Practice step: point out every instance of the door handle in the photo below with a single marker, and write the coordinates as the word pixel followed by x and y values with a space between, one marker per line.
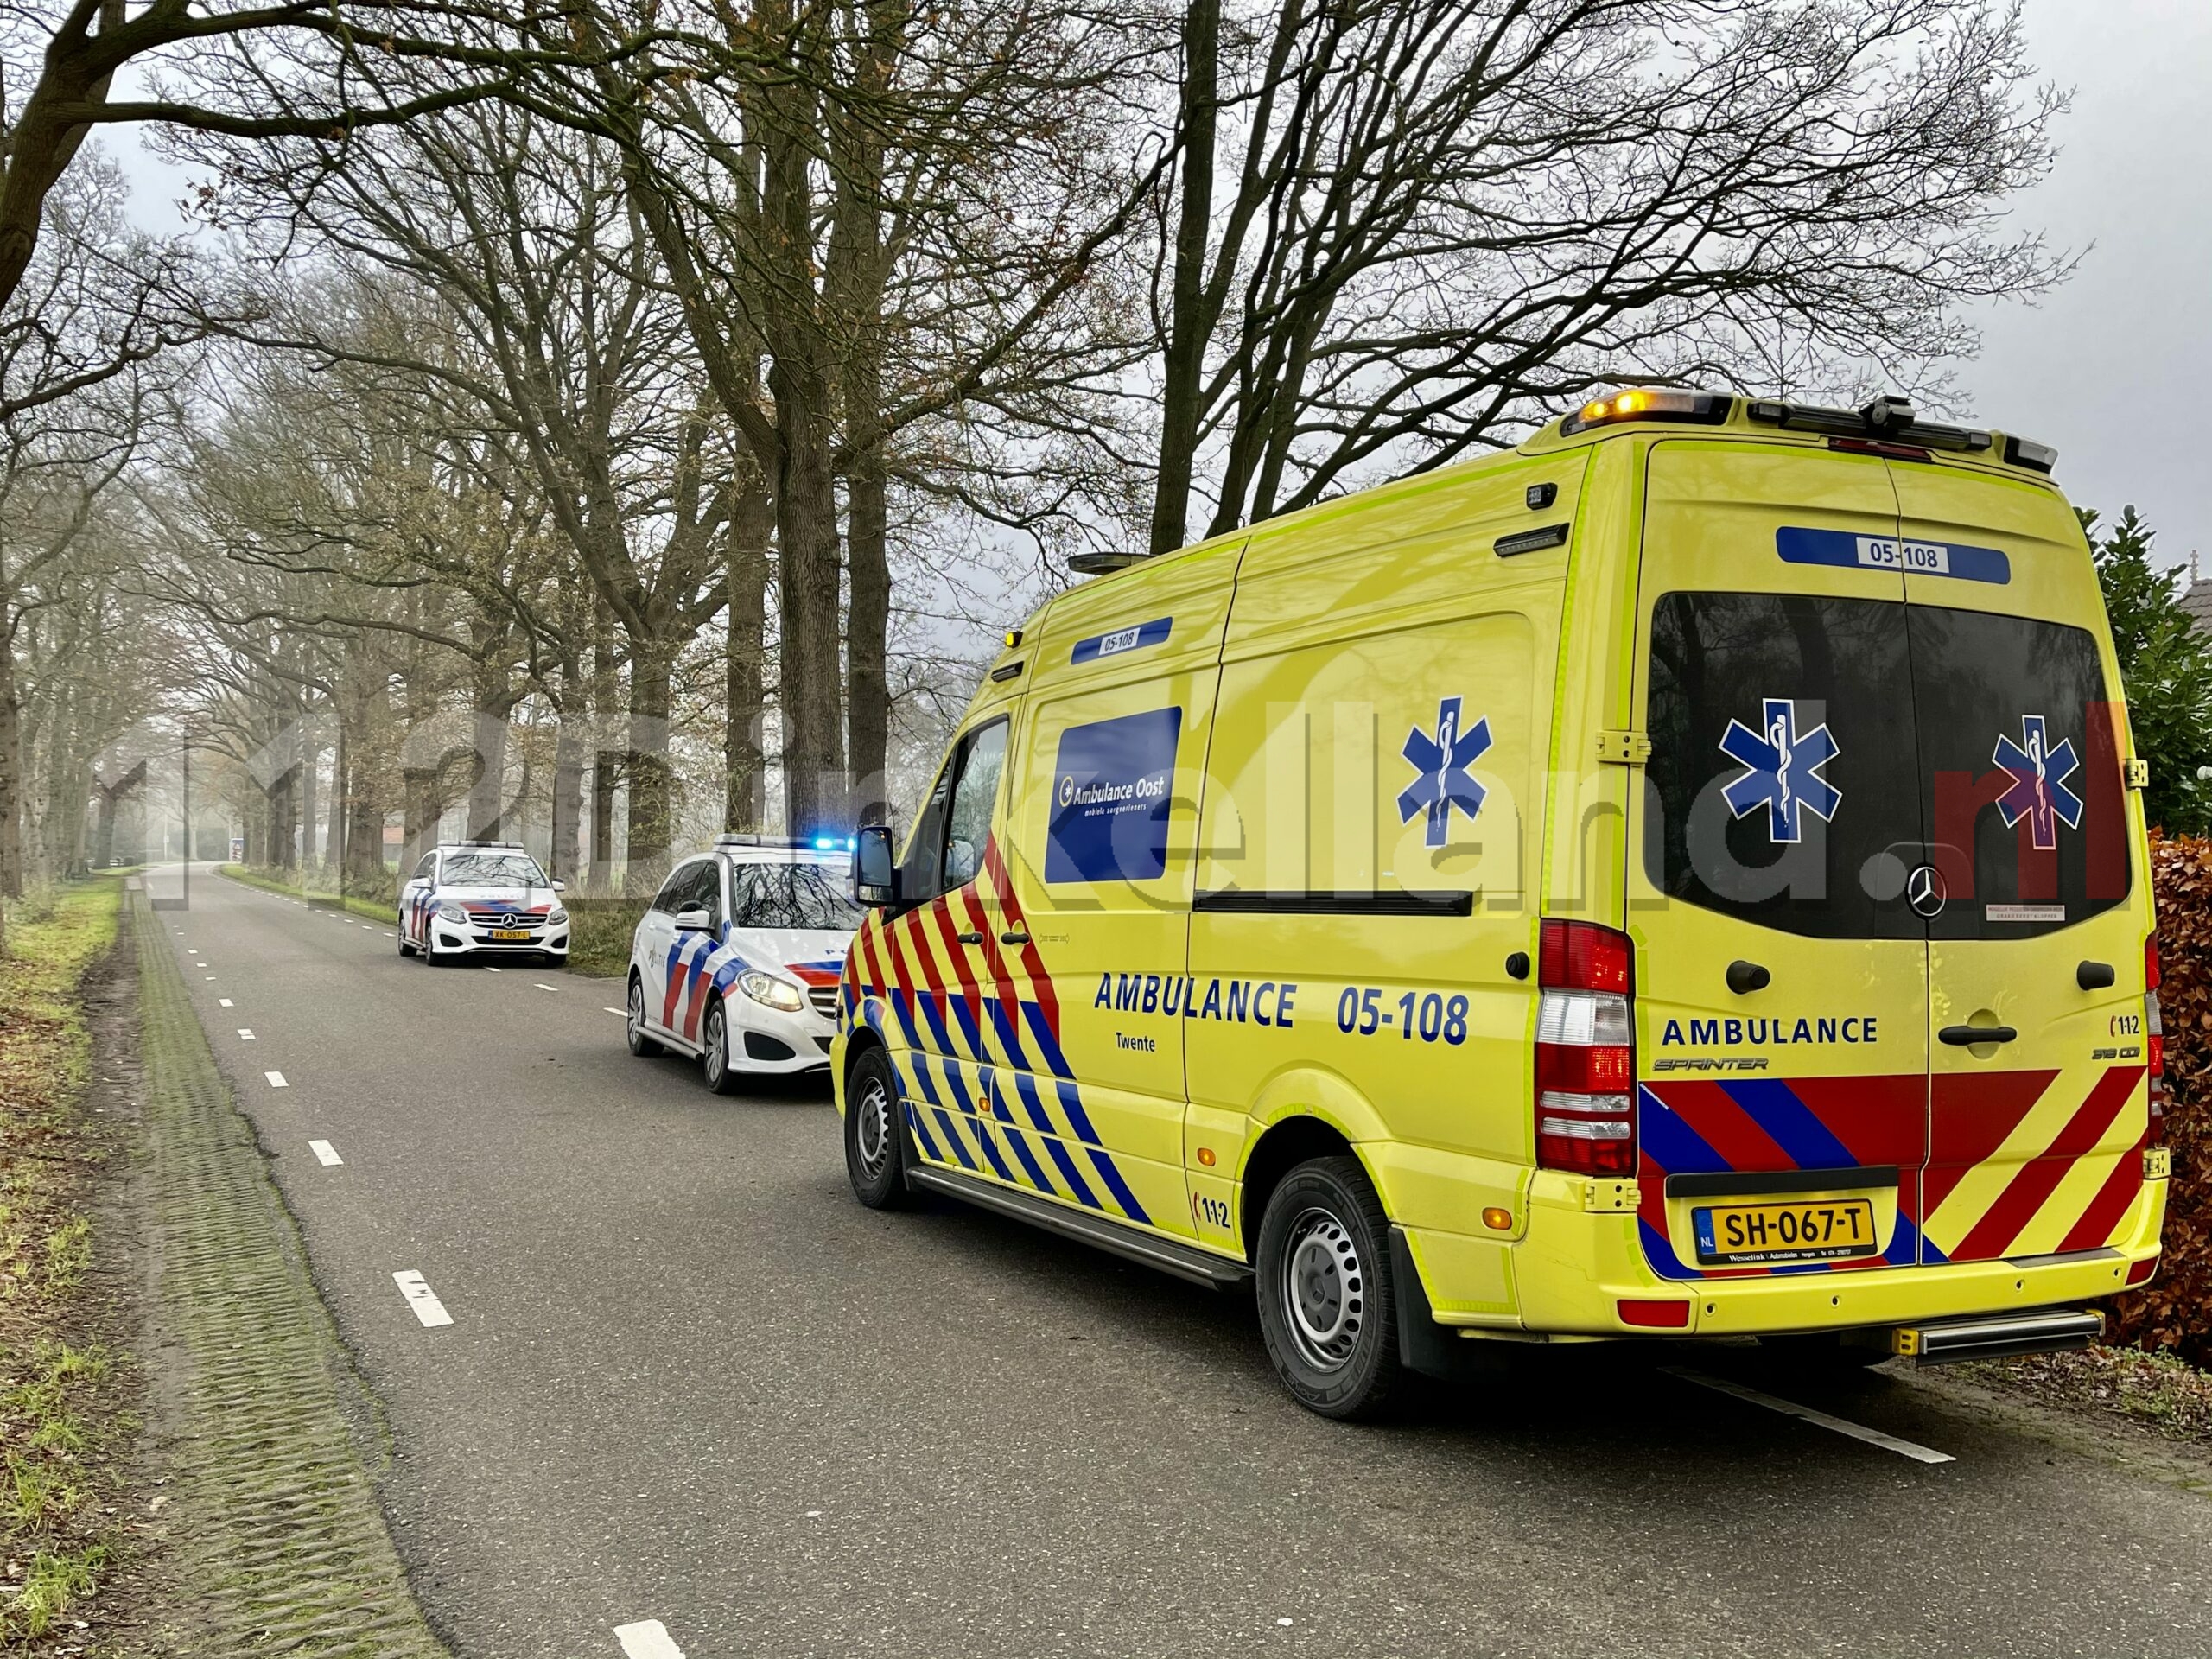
pixel 1966 1036
pixel 968 938
pixel 1016 937
pixel 1744 977
pixel 2093 976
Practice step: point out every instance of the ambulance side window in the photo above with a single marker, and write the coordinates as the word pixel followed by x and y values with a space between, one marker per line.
pixel 948 846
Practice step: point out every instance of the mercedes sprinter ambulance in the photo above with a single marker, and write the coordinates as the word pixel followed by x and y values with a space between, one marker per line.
pixel 1683 877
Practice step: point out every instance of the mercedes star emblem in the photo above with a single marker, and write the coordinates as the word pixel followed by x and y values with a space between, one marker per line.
pixel 1924 891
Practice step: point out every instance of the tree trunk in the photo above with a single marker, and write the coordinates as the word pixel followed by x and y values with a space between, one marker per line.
pixel 607 759
pixel 310 754
pixel 1183 366
pixel 744 659
pixel 488 734
pixel 808 673
pixel 11 776
pixel 652 786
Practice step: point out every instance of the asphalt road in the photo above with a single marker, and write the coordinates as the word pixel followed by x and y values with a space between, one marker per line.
pixel 689 1379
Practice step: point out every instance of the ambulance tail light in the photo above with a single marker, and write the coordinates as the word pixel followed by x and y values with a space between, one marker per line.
pixel 2154 1042
pixel 1586 1053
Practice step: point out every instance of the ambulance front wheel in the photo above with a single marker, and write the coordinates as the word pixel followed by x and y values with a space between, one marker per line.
pixel 876 1134
pixel 1324 1290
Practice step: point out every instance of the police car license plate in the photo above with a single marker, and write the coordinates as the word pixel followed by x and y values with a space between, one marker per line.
pixel 1800 1230
pixel 509 932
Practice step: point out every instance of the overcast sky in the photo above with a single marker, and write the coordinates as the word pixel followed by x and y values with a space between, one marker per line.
pixel 2113 366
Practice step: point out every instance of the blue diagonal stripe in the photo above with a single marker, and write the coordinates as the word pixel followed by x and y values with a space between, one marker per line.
pixel 1117 1186
pixel 1673 1146
pixel 1774 1106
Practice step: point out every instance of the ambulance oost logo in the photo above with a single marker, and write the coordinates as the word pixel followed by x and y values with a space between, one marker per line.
pixel 1441 762
pixel 2038 792
pixel 1780 771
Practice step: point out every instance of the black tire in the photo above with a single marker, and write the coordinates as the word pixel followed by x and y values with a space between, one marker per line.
pixel 633 1024
pixel 426 952
pixel 876 1148
pixel 1326 1307
pixel 713 1050
pixel 405 949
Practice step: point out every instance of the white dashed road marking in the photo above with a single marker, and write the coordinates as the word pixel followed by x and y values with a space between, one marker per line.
pixel 245 1034
pixel 222 1001
pixel 325 1154
pixel 624 1012
pixel 489 968
pixel 1806 1414
pixel 420 1297
pixel 647 1639
pixel 275 1079
pixel 542 986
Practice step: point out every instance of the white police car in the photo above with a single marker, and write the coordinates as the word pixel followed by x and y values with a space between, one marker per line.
pixel 481 898
pixel 738 960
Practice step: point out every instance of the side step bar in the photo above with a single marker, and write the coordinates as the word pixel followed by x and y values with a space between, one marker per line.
pixel 2046 1331
pixel 1199 1267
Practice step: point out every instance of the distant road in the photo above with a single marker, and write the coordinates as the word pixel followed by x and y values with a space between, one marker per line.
pixel 657 1384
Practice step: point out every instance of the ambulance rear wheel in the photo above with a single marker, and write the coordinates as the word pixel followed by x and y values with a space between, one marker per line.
pixel 1324 1290
pixel 633 1024
pixel 876 1134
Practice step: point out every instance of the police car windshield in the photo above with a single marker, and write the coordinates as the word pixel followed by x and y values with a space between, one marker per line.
pixel 492 870
pixel 792 895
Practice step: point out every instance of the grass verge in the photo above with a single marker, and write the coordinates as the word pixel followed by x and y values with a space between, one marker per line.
pixel 273 881
pixel 2159 1391
pixel 63 1426
pixel 275 1531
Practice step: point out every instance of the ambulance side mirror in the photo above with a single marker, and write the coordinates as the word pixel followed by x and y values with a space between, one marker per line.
pixel 875 867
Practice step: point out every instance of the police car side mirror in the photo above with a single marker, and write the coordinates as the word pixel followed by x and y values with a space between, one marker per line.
pixel 560 887
pixel 875 867
pixel 693 921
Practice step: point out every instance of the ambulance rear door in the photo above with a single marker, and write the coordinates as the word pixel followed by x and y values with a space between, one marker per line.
pixel 1780 997
pixel 2036 1016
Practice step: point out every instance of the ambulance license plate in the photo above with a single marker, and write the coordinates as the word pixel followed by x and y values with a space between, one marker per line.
pixel 510 933
pixel 1800 1230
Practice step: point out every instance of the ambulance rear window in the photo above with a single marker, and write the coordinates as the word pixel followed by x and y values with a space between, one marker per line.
pixel 1783 785
pixel 1809 755
pixel 2024 803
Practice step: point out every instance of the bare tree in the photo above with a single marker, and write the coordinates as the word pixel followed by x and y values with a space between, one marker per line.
pixel 1406 229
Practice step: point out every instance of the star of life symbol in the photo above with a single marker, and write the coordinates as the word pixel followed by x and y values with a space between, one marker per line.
pixel 1442 761
pixel 1781 771
pixel 2038 793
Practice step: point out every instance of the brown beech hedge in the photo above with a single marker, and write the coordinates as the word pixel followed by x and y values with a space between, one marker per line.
pixel 2175 1309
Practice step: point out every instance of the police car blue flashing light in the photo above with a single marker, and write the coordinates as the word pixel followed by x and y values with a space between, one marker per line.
pixel 481 898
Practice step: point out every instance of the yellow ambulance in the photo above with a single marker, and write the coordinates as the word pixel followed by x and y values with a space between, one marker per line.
pixel 1684 877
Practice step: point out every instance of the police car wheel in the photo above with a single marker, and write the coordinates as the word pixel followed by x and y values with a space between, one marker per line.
pixel 876 1134
pixel 405 949
pixel 426 952
pixel 1325 1305
pixel 634 1025
pixel 714 1051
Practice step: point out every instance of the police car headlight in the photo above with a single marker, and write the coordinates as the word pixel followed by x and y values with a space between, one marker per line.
pixel 557 918
pixel 452 913
pixel 776 993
